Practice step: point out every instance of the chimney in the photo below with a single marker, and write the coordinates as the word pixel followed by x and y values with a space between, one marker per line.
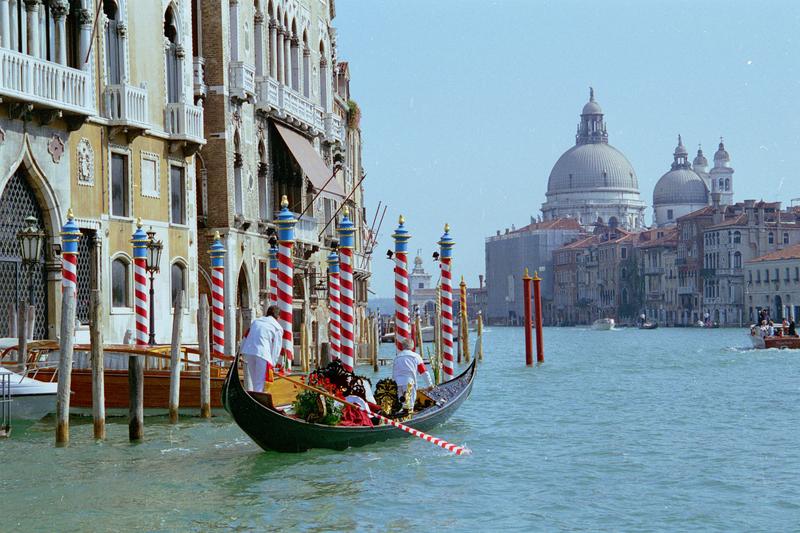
pixel 480 281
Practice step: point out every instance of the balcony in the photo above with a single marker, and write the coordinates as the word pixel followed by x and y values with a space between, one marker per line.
pixel 306 230
pixel 184 124
pixel 730 272
pixel 199 77
pixel 242 80
pixel 653 271
pixel 334 129
pixel 294 108
pixel 655 296
pixel 125 107
pixel 45 84
pixel 685 291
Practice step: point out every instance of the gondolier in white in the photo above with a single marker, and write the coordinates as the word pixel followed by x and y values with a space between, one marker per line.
pixel 406 367
pixel 262 348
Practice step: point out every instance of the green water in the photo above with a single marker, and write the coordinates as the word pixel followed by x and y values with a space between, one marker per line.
pixel 628 430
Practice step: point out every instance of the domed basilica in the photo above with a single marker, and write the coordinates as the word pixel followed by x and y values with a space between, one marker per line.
pixel 593 181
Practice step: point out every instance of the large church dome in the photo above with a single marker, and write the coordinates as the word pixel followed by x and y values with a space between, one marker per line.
pixel 593 181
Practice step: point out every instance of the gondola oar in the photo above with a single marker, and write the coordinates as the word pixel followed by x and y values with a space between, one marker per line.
pixel 458 450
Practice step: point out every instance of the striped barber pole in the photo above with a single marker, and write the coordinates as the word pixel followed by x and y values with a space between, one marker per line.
pixel 402 320
pixel 217 253
pixel 285 284
pixel 346 232
pixel 70 235
pixel 334 332
pixel 273 275
pixel 139 241
pixel 446 244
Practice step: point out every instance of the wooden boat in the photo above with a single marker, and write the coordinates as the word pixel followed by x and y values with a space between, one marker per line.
pixel 603 324
pixel 783 341
pixel 272 429
pixel 42 366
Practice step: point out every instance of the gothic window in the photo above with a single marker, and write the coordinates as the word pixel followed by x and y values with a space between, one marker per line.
pixel 263 197
pixel 771 238
pixel 306 66
pixel 785 237
pixel 177 281
pixel 113 50
pixel 737 260
pixel 323 77
pixel 174 78
pixel 737 237
pixel 120 283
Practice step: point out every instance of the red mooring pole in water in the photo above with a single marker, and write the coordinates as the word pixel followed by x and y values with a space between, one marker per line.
pixel 537 299
pixel 526 296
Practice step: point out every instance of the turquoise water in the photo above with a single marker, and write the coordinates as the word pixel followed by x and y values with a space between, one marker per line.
pixel 672 430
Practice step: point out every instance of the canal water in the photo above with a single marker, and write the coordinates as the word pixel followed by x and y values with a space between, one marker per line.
pixel 628 430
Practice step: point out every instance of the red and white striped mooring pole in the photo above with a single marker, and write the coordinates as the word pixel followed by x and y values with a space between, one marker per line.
pixel 273 275
pixel 334 328
pixel 70 235
pixel 139 241
pixel 346 230
pixel 402 320
pixel 446 244
pixel 286 223
pixel 217 253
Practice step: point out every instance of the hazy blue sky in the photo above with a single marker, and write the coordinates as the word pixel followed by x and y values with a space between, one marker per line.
pixel 468 104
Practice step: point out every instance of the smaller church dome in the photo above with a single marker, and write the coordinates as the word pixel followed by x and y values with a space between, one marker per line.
pixel 681 185
pixel 700 160
pixel 721 154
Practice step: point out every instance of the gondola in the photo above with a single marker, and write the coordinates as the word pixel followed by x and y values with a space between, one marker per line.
pixel 273 430
pixel 648 325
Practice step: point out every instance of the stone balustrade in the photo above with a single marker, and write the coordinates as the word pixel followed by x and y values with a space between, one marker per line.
pixel 184 122
pixel 126 105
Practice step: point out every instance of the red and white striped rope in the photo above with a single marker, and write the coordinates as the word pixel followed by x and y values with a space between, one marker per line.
pixel 140 300
pixel 218 311
pixel 273 286
pixel 69 271
pixel 285 298
pixel 458 450
pixel 346 314
pixel 402 320
pixel 334 330
pixel 448 364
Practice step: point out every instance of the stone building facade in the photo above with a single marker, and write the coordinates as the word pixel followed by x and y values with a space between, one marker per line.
pixel 101 120
pixel 773 283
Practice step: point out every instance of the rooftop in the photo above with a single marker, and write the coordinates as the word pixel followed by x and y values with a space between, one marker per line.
pixel 791 252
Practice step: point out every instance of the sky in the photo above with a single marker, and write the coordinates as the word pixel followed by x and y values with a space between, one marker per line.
pixel 466 105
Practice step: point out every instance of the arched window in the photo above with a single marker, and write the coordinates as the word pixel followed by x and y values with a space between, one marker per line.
pixel 295 57
pixel 306 66
pixel 727 184
pixel 113 49
pixel 721 184
pixel 737 237
pixel 323 77
pixel 258 37
pixel 173 57
pixel 177 281
pixel 771 238
pixel 120 283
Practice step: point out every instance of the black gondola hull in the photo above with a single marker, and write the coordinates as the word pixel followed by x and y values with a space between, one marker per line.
pixel 273 430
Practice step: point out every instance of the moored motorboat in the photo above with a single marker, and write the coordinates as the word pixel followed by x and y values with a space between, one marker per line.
pixel 273 429
pixel 30 399
pixel 603 324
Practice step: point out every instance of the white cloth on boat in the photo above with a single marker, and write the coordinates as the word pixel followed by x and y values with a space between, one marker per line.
pixel 359 401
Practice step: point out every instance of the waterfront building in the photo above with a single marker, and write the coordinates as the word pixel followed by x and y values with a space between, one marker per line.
pixel 656 251
pixel 280 121
pixel 100 119
pixel 422 294
pixel 758 228
pixel 593 181
pixel 687 188
pixel 574 291
pixel 507 256
pixel 773 283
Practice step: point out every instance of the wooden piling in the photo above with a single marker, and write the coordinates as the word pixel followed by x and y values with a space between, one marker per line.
pixel 479 347
pixel 66 345
pixel 464 334
pixel 135 398
pixel 375 343
pixel 303 347
pixel 22 335
pixel 418 331
pixel 205 358
pixel 537 301
pixel 175 359
pixel 12 320
pixel 526 295
pixel 98 364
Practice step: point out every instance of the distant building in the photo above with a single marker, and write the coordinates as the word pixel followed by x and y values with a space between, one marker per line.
pixel 507 256
pixel 593 181
pixel 773 283
pixel 657 251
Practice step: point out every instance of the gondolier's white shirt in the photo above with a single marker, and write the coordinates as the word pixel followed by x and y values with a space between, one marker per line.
pixel 264 339
pixel 405 368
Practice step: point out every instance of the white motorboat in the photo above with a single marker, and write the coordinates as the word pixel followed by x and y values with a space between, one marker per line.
pixel 30 399
pixel 603 324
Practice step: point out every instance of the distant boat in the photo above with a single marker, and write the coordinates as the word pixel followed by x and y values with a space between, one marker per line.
pixel 603 324
pixel 648 325
pixel 781 339
pixel 427 335
pixel 30 399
